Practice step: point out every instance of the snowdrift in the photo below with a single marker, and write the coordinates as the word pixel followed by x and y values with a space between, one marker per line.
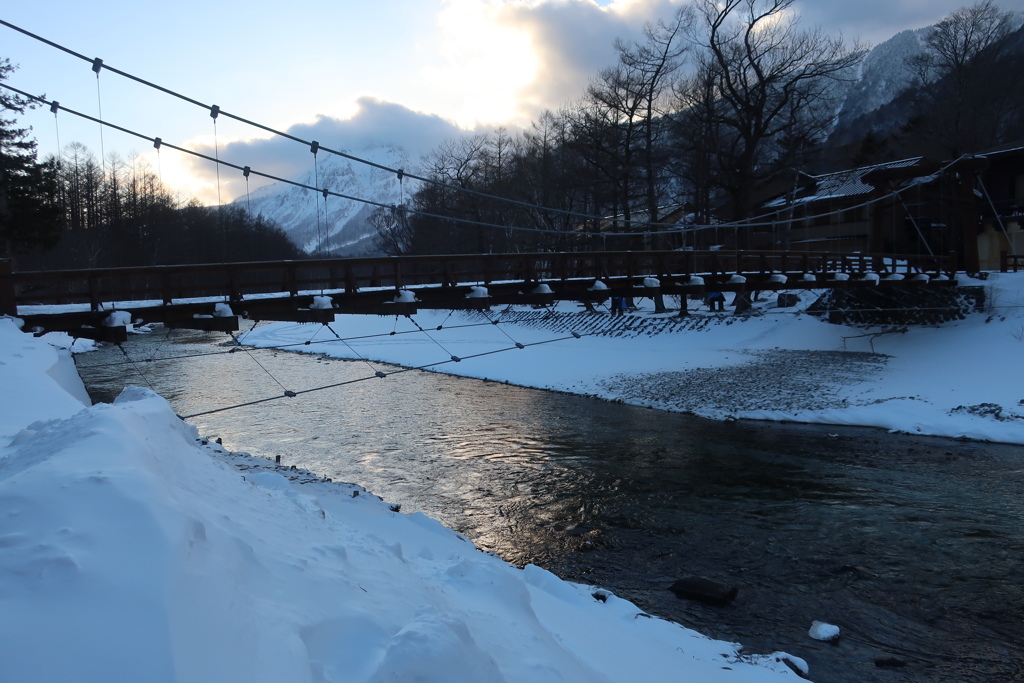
pixel 133 550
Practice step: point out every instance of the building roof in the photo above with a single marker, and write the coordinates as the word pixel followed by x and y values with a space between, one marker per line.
pixel 846 183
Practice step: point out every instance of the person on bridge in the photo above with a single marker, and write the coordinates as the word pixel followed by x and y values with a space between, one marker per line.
pixel 715 301
pixel 618 306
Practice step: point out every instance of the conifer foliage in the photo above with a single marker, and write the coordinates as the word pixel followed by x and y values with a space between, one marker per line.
pixel 28 214
pixel 72 211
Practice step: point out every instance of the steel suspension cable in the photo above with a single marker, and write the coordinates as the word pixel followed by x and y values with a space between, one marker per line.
pixel 398 172
pixel 137 368
pixel 254 360
pixel 248 170
pixel 376 372
pixel 294 394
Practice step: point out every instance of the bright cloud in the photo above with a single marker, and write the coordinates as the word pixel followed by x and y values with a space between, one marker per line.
pixel 373 124
pixel 505 62
pixel 485 62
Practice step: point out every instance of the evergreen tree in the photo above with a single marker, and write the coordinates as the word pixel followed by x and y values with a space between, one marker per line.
pixel 28 211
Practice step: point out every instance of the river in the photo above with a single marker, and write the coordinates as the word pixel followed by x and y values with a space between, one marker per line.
pixel 913 546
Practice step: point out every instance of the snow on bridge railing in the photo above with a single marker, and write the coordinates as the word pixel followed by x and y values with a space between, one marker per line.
pixel 236 281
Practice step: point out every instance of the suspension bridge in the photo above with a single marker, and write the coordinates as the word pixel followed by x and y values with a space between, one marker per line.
pixel 214 296
pixel 316 290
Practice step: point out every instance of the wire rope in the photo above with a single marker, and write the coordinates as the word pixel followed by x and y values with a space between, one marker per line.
pixel 314 146
pixel 278 347
pixel 427 335
pixel 503 331
pixel 254 360
pixel 376 372
pixel 137 368
pixel 662 228
pixel 55 107
pixel 427 214
pixel 293 394
pixel 97 66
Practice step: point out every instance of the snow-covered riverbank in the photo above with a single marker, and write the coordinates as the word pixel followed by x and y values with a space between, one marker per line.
pixel 130 550
pixel 957 379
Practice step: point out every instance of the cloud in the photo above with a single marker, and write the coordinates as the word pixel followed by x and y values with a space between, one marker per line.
pixel 876 21
pixel 374 125
pixel 493 62
pixel 570 41
pixel 497 61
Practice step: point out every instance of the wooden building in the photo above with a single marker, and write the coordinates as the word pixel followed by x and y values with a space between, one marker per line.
pixel 972 206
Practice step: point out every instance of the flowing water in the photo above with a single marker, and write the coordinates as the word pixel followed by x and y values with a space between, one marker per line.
pixel 913 546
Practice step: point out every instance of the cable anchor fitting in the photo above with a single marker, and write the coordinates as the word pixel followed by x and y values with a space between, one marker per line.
pixel 290 394
pixel 214 111
pixel 54 106
pixel 97 64
pixel 157 142
pixel 314 147
pixel 246 171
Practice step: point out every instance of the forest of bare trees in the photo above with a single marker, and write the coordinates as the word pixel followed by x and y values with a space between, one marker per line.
pixel 691 118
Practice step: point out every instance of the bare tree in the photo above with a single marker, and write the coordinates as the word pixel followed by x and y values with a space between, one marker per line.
pixel 771 86
pixel 653 63
pixel 958 67
pixel 394 234
pixel 620 121
pixel 967 34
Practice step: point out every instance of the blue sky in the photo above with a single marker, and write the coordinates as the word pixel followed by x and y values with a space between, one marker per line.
pixel 405 71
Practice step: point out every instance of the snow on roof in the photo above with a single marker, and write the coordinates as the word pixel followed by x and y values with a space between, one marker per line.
pixel 847 183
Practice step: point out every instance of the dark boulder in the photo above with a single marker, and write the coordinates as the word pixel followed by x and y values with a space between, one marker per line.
pixel 889 663
pixel 704 590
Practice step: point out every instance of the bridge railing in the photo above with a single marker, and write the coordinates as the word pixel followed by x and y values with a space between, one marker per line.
pixel 164 284
pixel 1008 261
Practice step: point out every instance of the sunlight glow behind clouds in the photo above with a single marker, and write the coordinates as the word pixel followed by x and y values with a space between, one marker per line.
pixel 486 63
pixel 475 62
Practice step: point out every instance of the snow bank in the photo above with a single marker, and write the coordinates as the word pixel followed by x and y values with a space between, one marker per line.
pixel 958 379
pixel 131 550
pixel 38 381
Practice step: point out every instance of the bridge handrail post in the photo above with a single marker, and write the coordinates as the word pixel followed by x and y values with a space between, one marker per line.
pixel 165 286
pixel 235 293
pixel 399 281
pixel 95 301
pixel 8 301
pixel 291 278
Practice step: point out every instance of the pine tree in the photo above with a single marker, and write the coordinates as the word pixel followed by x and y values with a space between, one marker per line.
pixel 29 216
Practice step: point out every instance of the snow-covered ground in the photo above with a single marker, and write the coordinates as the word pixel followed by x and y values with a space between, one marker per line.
pixel 958 379
pixel 131 550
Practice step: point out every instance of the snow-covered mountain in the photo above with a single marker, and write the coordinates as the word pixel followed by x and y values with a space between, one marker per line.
pixel 882 75
pixel 336 227
pixel 871 102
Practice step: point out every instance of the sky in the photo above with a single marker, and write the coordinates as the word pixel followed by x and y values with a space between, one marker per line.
pixel 349 74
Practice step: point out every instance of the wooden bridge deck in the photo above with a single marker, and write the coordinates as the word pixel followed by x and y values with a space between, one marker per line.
pixel 284 290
